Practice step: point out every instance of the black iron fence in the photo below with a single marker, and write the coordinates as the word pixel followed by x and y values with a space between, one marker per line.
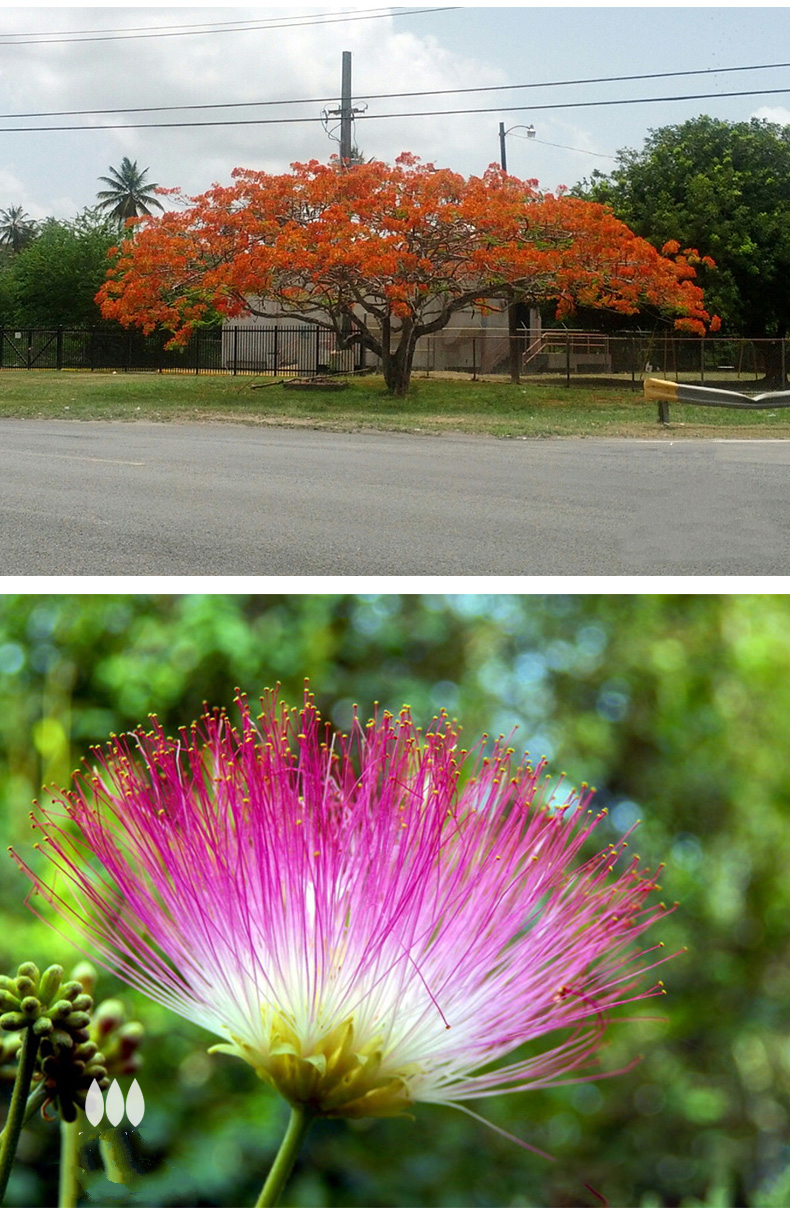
pixel 306 350
pixel 275 350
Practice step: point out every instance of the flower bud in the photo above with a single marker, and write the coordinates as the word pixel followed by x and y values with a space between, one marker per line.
pixel 131 1036
pixel 61 1039
pixel 25 985
pixel 13 1021
pixel 70 990
pixel 109 1017
pixel 86 975
pixel 42 1026
pixel 83 1002
pixel 30 971
pixel 30 1006
pixel 8 1000
pixel 86 1052
pixel 49 984
pixel 60 1010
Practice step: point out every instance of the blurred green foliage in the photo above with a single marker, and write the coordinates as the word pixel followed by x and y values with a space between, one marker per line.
pixel 676 707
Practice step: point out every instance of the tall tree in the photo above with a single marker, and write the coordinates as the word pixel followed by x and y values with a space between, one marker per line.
pixel 383 255
pixel 129 194
pixel 54 279
pixel 723 188
pixel 16 228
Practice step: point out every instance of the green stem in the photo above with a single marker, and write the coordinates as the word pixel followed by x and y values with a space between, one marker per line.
pixel 69 1190
pixel 35 1102
pixel 17 1110
pixel 287 1154
pixel 117 1167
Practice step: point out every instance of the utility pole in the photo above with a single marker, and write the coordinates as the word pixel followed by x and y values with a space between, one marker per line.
pixel 346 115
pixel 346 111
pixel 514 354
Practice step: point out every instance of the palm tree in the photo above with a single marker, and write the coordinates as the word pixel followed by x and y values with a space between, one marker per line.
pixel 16 228
pixel 128 195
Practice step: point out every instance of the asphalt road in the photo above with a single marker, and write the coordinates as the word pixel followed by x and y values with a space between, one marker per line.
pixel 160 499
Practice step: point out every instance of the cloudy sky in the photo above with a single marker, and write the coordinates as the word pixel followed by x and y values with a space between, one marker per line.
pixel 120 58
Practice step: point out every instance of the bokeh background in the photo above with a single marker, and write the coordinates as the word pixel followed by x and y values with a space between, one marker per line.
pixel 675 707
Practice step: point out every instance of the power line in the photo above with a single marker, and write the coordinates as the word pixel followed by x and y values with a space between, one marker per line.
pixel 212 28
pixel 573 105
pixel 304 101
pixel 269 122
pixel 548 144
pixel 200 26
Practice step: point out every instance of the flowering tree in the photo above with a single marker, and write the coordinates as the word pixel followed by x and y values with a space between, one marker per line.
pixel 383 255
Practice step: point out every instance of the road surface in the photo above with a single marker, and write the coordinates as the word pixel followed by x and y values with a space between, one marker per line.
pixel 205 499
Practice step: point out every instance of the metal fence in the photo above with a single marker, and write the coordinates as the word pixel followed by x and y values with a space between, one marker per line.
pixel 574 355
pixel 274 350
pixel 563 355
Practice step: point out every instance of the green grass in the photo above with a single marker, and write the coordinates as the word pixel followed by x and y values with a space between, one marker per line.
pixel 433 405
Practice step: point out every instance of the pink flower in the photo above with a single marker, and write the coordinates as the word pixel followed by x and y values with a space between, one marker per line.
pixel 369 920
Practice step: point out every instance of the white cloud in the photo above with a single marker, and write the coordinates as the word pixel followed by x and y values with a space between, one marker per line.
pixel 773 114
pixel 282 64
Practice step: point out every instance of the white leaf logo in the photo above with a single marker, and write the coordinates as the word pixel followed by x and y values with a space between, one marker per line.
pixel 114 1103
pixel 135 1103
pixel 94 1103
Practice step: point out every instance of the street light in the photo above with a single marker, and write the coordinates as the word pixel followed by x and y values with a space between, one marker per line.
pixel 530 130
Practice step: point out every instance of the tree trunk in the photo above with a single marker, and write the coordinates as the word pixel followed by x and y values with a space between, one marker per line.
pixel 397 364
pixel 775 373
pixel 514 354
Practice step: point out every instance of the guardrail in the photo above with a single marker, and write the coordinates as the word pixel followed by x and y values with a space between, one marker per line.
pixel 665 391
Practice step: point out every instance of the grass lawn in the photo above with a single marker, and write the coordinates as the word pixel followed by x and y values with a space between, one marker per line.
pixel 434 405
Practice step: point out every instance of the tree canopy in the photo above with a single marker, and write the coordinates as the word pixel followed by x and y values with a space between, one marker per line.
pixel 383 255
pixel 17 229
pixel 129 194
pixel 723 188
pixel 53 280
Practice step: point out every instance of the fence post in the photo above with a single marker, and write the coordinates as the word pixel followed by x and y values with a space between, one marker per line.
pixel 235 349
pixel 633 363
pixel 784 365
pixel 59 349
pixel 474 359
pixel 29 350
pixel 567 360
pixel 317 347
pixel 197 351
pixel 702 360
pixel 276 351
